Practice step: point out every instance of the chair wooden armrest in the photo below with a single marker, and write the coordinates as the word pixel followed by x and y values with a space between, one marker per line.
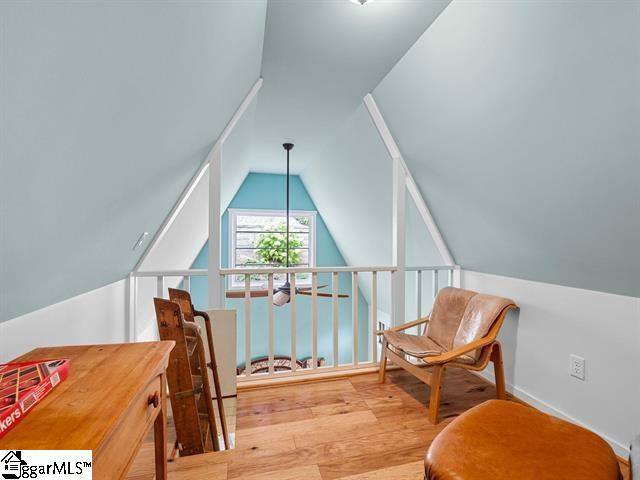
pixel 457 352
pixel 199 313
pixel 399 328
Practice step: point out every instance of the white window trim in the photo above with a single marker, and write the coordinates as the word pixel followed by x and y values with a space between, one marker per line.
pixel 233 214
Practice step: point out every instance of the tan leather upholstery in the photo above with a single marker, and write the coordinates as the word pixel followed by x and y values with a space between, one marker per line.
pixel 415 345
pixel 446 315
pixel 461 332
pixel 481 312
pixel 458 318
pixel 502 440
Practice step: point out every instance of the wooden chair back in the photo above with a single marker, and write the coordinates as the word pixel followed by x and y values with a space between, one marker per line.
pixel 189 389
pixel 183 299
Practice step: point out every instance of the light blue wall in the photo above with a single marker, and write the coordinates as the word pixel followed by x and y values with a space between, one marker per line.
pixel 520 122
pixel 107 109
pixel 266 191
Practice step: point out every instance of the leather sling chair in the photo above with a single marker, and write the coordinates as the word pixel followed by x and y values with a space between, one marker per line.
pixel 460 332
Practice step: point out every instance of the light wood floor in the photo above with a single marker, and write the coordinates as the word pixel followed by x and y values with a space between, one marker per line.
pixel 351 428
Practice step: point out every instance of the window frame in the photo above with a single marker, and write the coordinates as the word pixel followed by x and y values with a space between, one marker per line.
pixel 257 212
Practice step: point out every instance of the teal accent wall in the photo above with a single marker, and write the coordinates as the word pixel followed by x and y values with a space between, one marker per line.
pixel 107 109
pixel 519 122
pixel 266 191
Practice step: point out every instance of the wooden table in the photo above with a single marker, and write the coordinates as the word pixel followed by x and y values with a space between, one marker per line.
pixel 109 401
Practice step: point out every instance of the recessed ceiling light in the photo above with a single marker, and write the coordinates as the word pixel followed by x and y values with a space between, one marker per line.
pixel 361 2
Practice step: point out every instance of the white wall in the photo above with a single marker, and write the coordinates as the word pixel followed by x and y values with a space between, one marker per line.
pixel 183 240
pixel 98 316
pixel 555 321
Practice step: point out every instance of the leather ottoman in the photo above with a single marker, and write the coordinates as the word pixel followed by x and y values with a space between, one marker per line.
pixel 502 440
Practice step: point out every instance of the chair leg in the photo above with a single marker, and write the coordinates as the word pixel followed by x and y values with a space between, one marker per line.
pixel 382 369
pixel 434 399
pixel 498 368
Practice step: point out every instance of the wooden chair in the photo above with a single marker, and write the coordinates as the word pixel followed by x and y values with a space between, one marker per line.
pixel 183 298
pixel 189 388
pixel 460 332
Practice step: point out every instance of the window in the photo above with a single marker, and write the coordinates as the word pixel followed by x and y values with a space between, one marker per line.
pixel 258 240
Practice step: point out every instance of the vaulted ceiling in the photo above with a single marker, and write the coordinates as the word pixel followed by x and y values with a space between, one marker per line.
pixel 517 120
pixel 107 110
pixel 319 60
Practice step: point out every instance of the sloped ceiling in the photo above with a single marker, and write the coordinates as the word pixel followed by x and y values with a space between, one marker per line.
pixel 519 122
pixel 351 187
pixel 107 110
pixel 320 59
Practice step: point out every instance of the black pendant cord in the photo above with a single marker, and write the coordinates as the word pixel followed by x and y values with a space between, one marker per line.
pixel 287 147
pixel 287 212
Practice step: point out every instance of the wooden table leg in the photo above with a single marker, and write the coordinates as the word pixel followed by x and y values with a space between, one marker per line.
pixel 160 434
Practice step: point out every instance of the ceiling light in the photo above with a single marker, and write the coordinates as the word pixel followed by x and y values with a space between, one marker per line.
pixel 361 2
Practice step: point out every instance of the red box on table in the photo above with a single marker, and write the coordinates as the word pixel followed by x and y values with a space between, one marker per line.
pixel 23 385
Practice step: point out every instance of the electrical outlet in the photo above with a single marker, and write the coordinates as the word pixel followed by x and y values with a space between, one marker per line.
pixel 576 366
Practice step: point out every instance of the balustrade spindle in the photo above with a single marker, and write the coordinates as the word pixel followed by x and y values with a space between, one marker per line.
pixel 294 334
pixel 247 325
pixel 160 286
pixel 271 326
pixel 334 311
pixel 354 305
pixel 314 320
pixel 374 317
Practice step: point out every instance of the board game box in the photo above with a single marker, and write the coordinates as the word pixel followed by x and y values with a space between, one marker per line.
pixel 23 385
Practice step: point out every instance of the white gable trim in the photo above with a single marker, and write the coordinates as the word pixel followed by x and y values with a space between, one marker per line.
pixel 411 185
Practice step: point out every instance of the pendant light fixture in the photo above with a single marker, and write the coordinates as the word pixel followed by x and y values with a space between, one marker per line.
pixel 282 295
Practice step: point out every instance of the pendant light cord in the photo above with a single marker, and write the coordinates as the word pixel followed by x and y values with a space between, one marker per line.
pixel 287 241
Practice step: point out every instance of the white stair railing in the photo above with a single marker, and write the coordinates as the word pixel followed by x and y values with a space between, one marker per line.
pixel 364 281
pixel 357 274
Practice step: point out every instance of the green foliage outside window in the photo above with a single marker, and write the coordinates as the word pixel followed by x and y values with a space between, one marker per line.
pixel 272 248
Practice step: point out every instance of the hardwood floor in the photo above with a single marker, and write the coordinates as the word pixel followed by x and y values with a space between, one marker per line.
pixel 352 428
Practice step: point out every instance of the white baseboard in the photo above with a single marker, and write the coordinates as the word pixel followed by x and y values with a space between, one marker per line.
pixel 619 449
pixel 555 322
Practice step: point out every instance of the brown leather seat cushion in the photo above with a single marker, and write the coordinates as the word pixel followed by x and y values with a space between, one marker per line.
pixel 415 345
pixel 420 346
pixel 502 440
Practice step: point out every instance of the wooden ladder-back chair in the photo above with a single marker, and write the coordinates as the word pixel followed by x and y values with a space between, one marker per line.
pixel 183 298
pixel 460 332
pixel 189 388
